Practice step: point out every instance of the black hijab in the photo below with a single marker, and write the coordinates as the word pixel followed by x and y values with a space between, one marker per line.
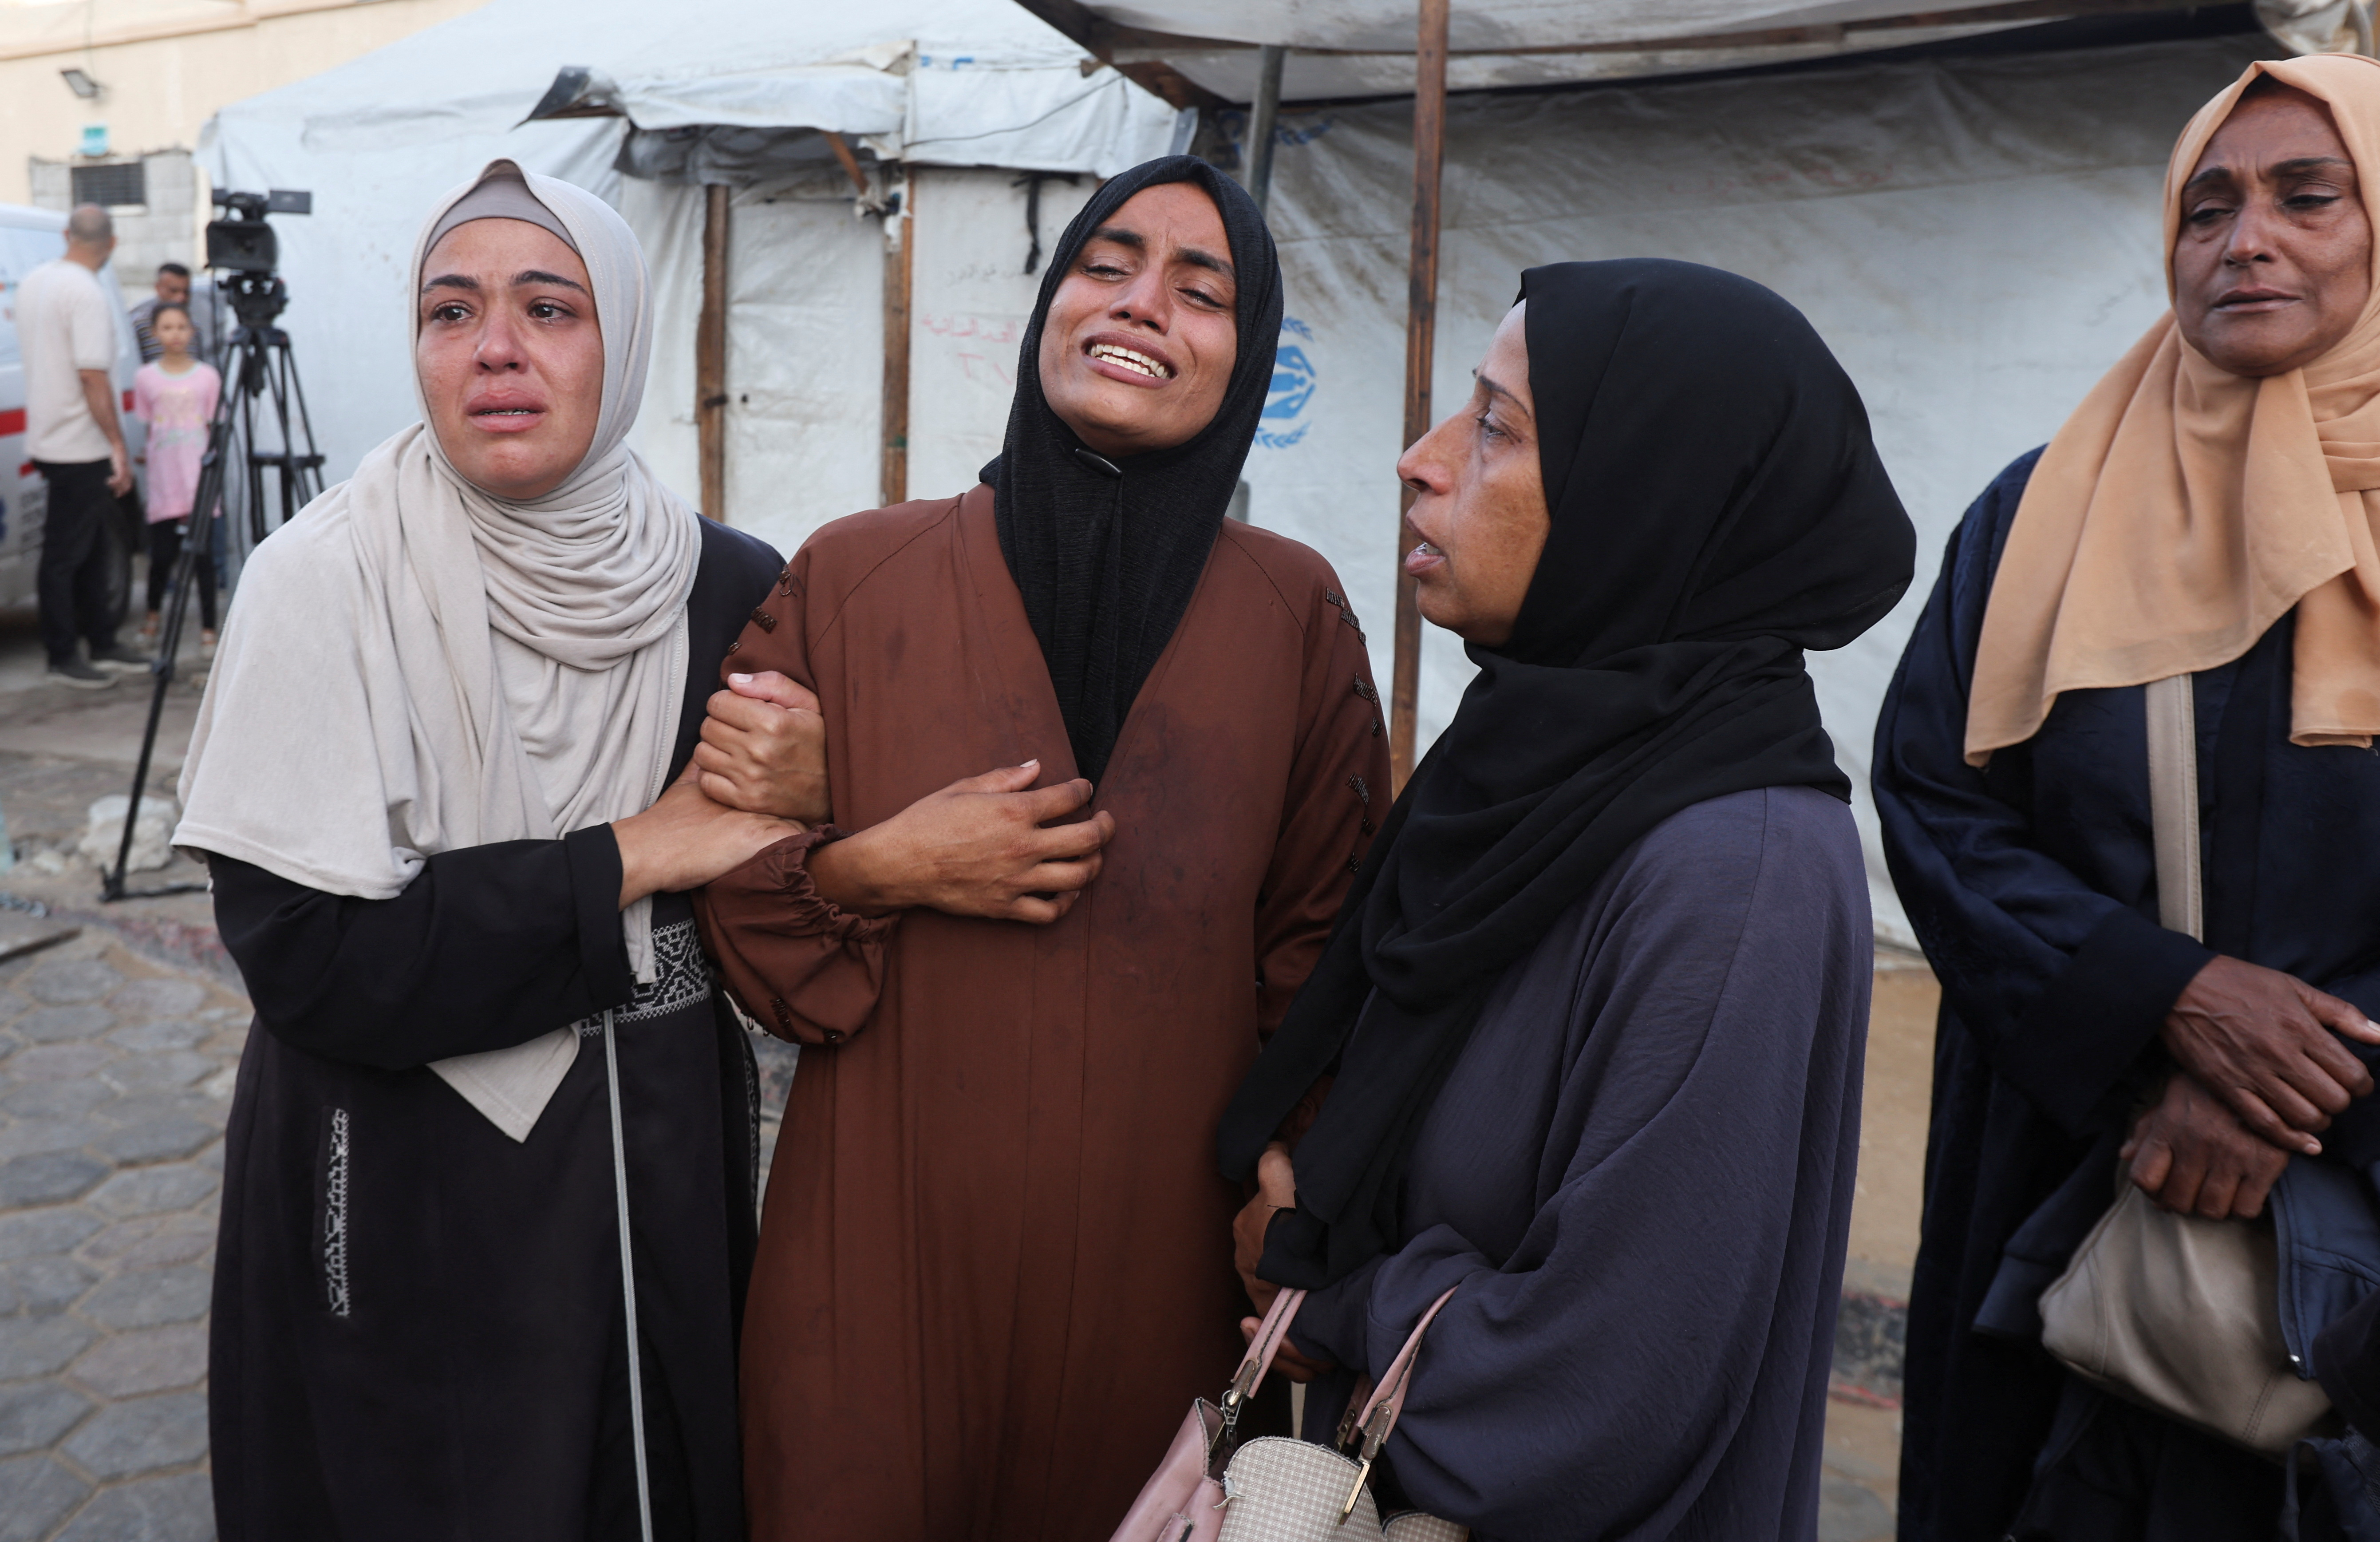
pixel 1107 553
pixel 1716 507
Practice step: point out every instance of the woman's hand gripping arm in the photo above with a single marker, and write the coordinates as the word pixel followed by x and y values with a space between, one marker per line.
pixel 684 840
pixel 983 847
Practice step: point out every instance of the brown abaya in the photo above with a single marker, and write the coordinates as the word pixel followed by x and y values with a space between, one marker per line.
pixel 995 1258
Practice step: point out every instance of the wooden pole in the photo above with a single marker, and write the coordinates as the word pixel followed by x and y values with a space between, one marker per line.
pixel 710 355
pixel 1421 338
pixel 899 261
pixel 1262 115
pixel 849 162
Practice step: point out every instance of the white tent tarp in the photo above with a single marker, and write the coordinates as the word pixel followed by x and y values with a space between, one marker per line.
pixel 1347 48
pixel 940 82
pixel 805 357
pixel 1481 26
pixel 1976 239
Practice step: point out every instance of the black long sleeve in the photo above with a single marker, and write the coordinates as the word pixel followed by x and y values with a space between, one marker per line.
pixel 488 947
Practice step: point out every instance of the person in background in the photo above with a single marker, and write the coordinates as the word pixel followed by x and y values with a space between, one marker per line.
pixel 174 289
pixel 66 329
pixel 1587 1037
pixel 175 396
pixel 2208 512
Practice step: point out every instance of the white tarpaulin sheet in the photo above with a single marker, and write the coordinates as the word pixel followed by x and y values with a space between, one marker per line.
pixel 1345 48
pixel 376 141
pixel 932 82
pixel 1482 26
pixel 804 355
pixel 1977 240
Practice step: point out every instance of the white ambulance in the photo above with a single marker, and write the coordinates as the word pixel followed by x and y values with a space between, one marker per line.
pixel 30 237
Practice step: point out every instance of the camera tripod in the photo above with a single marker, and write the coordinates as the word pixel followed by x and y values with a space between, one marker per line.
pixel 259 374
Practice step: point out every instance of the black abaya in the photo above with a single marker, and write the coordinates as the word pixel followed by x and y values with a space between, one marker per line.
pixel 2031 883
pixel 418 1327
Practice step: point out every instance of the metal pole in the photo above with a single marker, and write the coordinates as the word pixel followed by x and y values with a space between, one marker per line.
pixel 1262 119
pixel 711 353
pixel 1421 338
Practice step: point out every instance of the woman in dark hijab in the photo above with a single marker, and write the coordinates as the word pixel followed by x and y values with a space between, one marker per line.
pixel 991 1270
pixel 1593 1012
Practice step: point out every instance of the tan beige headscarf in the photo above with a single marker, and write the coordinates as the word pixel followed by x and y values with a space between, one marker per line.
pixel 2183 510
pixel 413 665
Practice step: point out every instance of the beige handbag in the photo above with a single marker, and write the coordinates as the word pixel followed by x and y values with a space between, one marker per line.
pixel 2173 1311
pixel 1210 1488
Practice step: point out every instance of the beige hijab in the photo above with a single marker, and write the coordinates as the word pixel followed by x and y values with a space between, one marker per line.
pixel 415 666
pixel 2183 510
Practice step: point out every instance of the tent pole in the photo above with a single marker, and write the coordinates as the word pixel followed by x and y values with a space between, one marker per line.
pixel 711 353
pixel 849 162
pixel 900 252
pixel 1421 338
pixel 1262 116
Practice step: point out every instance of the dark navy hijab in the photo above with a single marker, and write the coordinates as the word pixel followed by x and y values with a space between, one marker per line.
pixel 1716 507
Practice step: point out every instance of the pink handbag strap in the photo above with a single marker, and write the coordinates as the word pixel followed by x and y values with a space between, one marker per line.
pixel 1258 1360
pixel 1380 1415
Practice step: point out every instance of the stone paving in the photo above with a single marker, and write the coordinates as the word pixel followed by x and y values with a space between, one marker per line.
pixel 115 1075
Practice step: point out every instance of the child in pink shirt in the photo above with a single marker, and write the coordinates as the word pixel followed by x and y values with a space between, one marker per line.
pixel 175 396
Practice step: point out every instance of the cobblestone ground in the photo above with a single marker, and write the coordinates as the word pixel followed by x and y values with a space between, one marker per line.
pixel 115 1074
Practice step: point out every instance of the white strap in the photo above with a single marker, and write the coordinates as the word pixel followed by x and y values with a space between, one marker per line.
pixel 628 1283
pixel 2173 805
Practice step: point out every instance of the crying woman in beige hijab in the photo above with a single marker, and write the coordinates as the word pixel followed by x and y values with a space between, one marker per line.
pixel 436 779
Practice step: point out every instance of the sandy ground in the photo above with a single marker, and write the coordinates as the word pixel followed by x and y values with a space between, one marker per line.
pixel 1863 1440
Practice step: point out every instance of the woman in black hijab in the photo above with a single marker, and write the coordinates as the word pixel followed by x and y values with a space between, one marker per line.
pixel 991 1270
pixel 1594 1009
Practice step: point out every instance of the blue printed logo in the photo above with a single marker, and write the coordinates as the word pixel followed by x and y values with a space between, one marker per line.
pixel 1292 388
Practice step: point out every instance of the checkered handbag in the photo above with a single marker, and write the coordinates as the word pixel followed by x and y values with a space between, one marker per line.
pixel 1211 1488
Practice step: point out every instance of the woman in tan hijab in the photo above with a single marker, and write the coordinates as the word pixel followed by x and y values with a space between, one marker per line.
pixel 2208 511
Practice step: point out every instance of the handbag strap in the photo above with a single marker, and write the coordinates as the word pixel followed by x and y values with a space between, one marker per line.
pixel 1388 1400
pixel 1270 1335
pixel 2173 805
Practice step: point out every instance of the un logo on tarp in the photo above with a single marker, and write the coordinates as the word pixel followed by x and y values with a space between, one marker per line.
pixel 1284 422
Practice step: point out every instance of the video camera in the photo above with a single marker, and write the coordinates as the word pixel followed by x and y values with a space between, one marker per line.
pixel 243 246
pixel 240 241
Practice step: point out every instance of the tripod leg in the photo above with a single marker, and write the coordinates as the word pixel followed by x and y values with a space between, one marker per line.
pixel 161 670
pixel 169 639
pixel 161 681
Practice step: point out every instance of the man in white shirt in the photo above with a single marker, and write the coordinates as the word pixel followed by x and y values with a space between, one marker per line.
pixel 66 330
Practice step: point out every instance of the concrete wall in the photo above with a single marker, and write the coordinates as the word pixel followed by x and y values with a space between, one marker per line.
pixel 159 92
pixel 163 229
